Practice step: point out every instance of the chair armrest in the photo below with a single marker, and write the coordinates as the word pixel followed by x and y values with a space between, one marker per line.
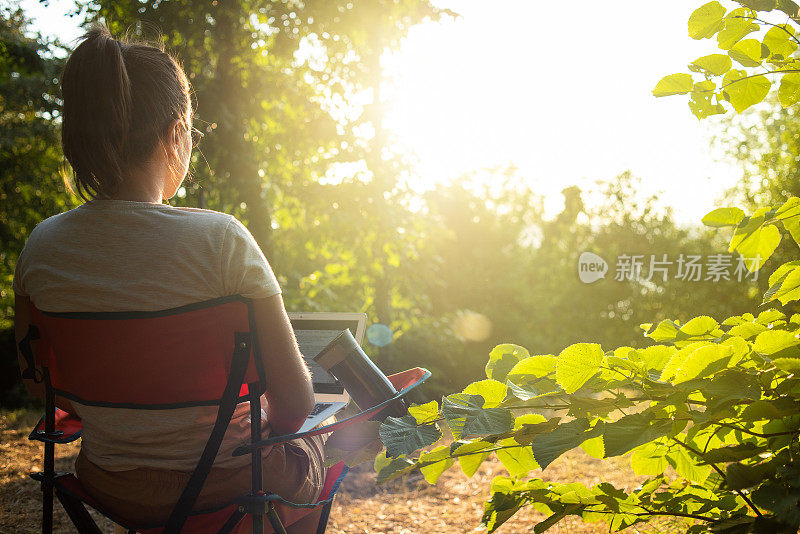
pixel 68 429
pixel 404 382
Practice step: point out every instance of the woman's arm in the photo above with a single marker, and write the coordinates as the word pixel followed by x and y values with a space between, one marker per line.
pixel 22 320
pixel 289 394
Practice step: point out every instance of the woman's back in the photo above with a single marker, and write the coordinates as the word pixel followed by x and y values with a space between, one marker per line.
pixel 118 255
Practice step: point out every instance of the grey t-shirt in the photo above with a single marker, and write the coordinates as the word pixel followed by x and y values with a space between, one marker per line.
pixel 119 255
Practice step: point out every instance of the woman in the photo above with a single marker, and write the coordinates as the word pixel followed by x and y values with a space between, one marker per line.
pixel 127 133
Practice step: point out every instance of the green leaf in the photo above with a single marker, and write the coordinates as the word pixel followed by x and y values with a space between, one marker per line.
pixel 740 476
pixel 699 326
pixel 677 359
pixel 577 364
pixel 696 363
pixel 391 468
pixel 706 20
pixel 789 215
pixel 518 460
pixel 492 391
pixel 790 365
pixel 424 413
pixel 489 421
pixel 732 384
pixel 743 92
pixel 657 356
pixel 762 410
pixel 402 435
pixel 778 344
pixel 687 466
pixel 532 368
pixel 737 24
pixel 789 90
pixel 649 459
pixel 631 431
pixel 789 288
pixel 749 52
pixel 465 415
pixel 674 84
pixel 665 331
pixel 472 459
pixel 732 453
pixel 723 216
pixel 503 358
pixel 716 64
pixel 754 241
pixel 779 40
pixel 594 447
pixel 442 462
pixel 565 437
pixel 747 330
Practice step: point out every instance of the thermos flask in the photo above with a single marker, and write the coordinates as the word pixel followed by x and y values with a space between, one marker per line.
pixel 367 385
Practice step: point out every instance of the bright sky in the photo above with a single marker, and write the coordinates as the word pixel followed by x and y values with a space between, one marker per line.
pixel 563 94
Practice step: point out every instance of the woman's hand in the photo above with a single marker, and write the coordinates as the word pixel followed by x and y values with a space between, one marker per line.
pixel 290 394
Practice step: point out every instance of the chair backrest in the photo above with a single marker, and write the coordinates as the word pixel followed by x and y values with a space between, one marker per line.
pixel 160 359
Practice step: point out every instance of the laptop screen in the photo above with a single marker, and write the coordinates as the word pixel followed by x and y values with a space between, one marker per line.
pixel 312 336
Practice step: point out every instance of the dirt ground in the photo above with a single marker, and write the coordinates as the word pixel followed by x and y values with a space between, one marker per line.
pixel 406 506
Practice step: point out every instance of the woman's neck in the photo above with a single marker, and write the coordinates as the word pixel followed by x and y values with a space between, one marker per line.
pixel 143 185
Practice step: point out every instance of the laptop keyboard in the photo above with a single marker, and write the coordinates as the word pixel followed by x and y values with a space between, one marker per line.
pixel 318 407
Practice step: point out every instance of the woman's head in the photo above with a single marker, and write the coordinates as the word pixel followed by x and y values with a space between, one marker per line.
pixel 124 104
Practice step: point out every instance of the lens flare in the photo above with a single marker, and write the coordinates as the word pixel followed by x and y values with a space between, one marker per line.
pixel 379 334
pixel 472 326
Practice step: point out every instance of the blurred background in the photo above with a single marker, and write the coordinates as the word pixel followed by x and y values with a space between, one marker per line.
pixel 438 165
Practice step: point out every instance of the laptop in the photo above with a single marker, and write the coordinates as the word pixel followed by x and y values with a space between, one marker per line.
pixel 313 331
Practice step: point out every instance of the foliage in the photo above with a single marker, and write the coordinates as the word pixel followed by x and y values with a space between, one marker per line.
pixel 30 155
pixel 758 51
pixel 710 413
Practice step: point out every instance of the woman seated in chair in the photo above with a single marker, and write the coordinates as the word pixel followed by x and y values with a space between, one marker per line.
pixel 127 133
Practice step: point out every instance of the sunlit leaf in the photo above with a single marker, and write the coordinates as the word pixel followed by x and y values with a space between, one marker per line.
pixel 723 216
pixel 749 52
pixel 503 358
pixel 674 84
pixel 424 413
pixel 716 64
pixel 492 391
pixel 779 40
pixel 744 91
pixel 706 20
pixel 440 456
pixel 577 364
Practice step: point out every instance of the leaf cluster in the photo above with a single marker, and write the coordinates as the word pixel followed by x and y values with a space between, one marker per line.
pixel 751 49
pixel 710 413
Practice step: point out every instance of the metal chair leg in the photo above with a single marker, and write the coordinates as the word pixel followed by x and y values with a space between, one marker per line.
pixel 274 520
pixel 78 513
pixel 323 518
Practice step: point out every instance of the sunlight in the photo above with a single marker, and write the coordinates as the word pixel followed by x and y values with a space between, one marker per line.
pixel 564 95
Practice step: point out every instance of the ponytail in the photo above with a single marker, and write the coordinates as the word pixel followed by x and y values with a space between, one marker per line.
pixel 119 100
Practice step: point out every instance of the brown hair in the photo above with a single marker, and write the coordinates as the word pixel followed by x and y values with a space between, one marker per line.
pixel 119 102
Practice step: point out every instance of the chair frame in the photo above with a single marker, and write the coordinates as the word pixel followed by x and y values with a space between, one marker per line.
pixel 256 502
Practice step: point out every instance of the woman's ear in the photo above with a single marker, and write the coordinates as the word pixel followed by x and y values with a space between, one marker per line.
pixel 177 134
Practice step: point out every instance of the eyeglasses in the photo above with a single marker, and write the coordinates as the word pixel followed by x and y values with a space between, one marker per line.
pixel 197 135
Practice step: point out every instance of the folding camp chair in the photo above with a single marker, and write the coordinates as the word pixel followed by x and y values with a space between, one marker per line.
pixel 203 354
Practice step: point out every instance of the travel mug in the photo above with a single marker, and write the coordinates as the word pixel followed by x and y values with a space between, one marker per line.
pixel 367 385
